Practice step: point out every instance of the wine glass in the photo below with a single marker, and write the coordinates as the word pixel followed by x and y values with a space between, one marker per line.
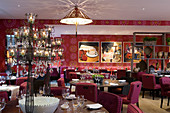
pixel 75 104
pixel 2 104
pixel 111 77
pixel 81 101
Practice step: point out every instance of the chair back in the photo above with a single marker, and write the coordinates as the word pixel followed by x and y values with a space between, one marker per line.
pixel 111 102
pixel 67 73
pixel 139 75
pixel 57 91
pixel 20 80
pixel 89 90
pixel 135 88
pixel 133 109
pixel 4 94
pixel 148 81
pixel 121 73
pixel 54 73
pixel 165 85
pixel 61 82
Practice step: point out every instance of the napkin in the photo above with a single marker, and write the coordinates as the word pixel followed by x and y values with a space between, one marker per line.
pixel 122 81
pixel 167 75
pixel 113 84
pixel 94 106
pixel 75 80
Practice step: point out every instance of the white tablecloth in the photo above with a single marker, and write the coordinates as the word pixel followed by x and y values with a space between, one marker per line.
pixel 14 90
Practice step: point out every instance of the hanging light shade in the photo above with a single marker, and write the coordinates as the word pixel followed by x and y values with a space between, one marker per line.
pixel 76 16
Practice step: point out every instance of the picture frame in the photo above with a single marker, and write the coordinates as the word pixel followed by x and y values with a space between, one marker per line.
pixel 127 52
pixel 88 52
pixel 111 52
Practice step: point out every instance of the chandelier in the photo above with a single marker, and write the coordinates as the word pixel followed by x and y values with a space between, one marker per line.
pixel 76 17
pixel 35 50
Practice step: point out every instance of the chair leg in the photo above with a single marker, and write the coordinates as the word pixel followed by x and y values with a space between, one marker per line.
pixel 168 101
pixel 143 93
pixel 122 108
pixel 150 93
pixel 137 104
pixel 161 101
pixel 153 94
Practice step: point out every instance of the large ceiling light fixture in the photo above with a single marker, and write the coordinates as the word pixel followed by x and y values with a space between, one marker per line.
pixel 76 17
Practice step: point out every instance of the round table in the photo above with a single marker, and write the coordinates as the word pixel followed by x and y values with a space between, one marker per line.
pixel 11 107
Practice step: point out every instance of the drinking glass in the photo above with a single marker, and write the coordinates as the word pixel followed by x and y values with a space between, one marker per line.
pixel 115 77
pixel 75 105
pixel 2 104
pixel 81 101
pixel 111 77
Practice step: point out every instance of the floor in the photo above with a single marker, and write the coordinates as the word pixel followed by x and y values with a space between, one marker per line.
pixel 147 104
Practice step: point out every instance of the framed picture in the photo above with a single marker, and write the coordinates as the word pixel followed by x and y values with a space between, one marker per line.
pixel 111 52
pixel 88 52
pixel 127 52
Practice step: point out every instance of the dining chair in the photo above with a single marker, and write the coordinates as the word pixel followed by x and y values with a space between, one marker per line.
pixel 121 73
pixel 133 95
pixel 133 109
pixel 139 76
pixel 165 89
pixel 149 83
pixel 61 82
pixel 54 75
pixel 57 91
pixel 20 80
pixel 111 102
pixel 4 94
pixel 89 90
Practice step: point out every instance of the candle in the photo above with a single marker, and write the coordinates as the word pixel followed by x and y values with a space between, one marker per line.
pixel 58 42
pixel 60 53
pixel 23 52
pixel 46 53
pixel 12 52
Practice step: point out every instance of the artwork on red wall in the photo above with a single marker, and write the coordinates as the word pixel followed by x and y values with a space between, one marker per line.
pixel 88 52
pixel 127 52
pixel 111 52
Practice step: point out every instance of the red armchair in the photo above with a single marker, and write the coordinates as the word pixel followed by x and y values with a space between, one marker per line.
pixel 133 109
pixel 165 88
pixel 4 94
pixel 61 82
pixel 133 95
pixel 149 83
pixel 121 73
pixel 89 90
pixel 111 102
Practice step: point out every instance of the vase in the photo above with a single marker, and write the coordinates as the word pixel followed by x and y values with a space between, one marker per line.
pixel 160 54
pixel 165 55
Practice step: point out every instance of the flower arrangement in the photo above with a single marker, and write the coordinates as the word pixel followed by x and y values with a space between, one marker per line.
pixel 97 75
pixel 150 40
pixel 168 40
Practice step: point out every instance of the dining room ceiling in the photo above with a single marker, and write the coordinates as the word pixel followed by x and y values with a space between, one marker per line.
pixel 95 9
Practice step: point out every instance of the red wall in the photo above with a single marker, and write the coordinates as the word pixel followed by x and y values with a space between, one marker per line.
pixel 70 43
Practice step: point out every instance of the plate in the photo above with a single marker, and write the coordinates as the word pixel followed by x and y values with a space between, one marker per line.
pixel 64 106
pixel 121 81
pixel 94 106
pixel 96 54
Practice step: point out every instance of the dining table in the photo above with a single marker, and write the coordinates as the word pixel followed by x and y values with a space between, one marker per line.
pixel 106 83
pixel 11 107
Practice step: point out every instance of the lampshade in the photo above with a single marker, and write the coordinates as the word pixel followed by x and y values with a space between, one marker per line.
pixel 76 16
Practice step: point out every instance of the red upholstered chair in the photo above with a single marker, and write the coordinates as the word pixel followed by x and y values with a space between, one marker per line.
pixel 133 95
pixel 57 91
pixel 20 80
pixel 4 94
pixel 54 75
pixel 139 76
pixel 121 73
pixel 89 90
pixel 165 88
pixel 133 109
pixel 111 102
pixel 149 83
pixel 61 82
